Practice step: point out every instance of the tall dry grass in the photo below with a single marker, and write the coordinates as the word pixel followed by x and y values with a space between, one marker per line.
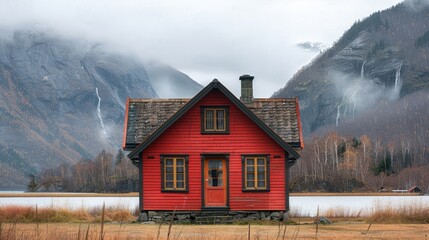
pixel 25 214
pixel 416 212
pixel 412 211
pixel 349 230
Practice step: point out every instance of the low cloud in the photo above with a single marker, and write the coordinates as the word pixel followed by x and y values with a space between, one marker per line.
pixel 205 39
pixel 358 93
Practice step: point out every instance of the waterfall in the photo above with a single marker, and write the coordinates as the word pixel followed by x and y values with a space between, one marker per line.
pixel 398 82
pixel 362 70
pixel 338 111
pixel 349 97
pixel 353 99
pixel 338 115
pixel 357 86
pixel 99 113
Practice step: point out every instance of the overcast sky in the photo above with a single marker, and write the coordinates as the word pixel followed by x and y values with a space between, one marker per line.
pixel 220 39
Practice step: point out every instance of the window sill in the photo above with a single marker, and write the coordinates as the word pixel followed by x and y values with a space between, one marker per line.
pixel 174 191
pixel 255 190
pixel 215 133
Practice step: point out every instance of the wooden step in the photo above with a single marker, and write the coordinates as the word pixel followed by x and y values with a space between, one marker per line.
pixel 214 219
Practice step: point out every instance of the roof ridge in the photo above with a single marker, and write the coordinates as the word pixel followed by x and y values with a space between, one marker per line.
pixel 191 102
pixel 158 99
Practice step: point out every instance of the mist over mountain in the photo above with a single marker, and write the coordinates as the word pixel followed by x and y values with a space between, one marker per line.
pixel 312 46
pixel 62 100
pixel 378 60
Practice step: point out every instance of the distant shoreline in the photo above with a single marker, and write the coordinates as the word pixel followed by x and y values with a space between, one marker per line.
pixel 356 194
pixel 136 194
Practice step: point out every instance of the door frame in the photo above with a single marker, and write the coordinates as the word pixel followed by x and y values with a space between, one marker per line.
pixel 204 157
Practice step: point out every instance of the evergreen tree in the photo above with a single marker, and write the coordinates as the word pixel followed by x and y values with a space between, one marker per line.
pixel 119 156
pixel 32 185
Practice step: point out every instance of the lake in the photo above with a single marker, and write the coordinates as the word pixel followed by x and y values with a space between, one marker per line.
pixel 299 205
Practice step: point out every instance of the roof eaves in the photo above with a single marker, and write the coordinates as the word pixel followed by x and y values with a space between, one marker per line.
pixel 215 84
pixel 134 153
pixel 259 122
pixel 127 108
pixel 298 114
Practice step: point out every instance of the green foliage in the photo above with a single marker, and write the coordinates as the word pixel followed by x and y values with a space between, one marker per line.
pixel 356 142
pixel 341 149
pixel 384 165
pixel 119 156
pixel 386 24
pixel 337 183
pixel 423 41
pixel 32 185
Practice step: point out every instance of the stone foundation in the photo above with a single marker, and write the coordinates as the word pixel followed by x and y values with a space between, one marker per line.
pixel 209 217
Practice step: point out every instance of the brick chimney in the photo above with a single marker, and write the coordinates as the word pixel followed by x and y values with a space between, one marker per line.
pixel 246 88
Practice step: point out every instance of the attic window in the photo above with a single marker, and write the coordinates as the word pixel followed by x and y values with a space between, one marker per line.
pixel 215 120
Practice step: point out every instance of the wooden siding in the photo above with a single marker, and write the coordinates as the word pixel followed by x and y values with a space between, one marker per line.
pixel 184 137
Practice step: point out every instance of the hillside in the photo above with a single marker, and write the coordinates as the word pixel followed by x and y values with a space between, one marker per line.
pixel 364 106
pixel 379 59
pixel 62 100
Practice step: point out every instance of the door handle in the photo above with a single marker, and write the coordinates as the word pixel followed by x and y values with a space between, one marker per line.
pixel 207 180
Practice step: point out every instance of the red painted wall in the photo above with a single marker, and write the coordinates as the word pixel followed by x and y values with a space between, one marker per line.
pixel 184 137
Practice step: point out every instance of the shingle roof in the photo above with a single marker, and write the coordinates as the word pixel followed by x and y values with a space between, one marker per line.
pixel 280 114
pixel 146 119
pixel 147 115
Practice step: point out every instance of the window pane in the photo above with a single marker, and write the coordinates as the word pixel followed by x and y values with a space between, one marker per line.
pixel 220 119
pixel 250 169
pixel 179 162
pixel 250 184
pixel 169 169
pixel 169 162
pixel 261 169
pixel 261 184
pixel 215 164
pixel 250 176
pixel 261 175
pixel 180 185
pixel 169 177
pixel 261 161
pixel 180 170
pixel 209 119
pixel 249 161
pixel 180 176
pixel 215 182
pixel 169 185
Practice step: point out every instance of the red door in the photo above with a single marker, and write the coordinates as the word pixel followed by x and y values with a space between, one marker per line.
pixel 215 179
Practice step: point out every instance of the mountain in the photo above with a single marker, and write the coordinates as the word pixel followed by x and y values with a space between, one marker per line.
pixel 62 100
pixel 382 58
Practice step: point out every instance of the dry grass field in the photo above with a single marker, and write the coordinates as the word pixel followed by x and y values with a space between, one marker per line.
pixel 341 230
pixel 21 222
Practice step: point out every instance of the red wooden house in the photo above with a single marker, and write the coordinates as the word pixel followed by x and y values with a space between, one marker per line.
pixel 214 152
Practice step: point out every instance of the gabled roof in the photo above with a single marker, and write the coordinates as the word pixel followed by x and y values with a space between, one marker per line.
pixel 146 119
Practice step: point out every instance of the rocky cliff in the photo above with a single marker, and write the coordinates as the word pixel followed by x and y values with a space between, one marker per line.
pixel 64 100
pixel 381 58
